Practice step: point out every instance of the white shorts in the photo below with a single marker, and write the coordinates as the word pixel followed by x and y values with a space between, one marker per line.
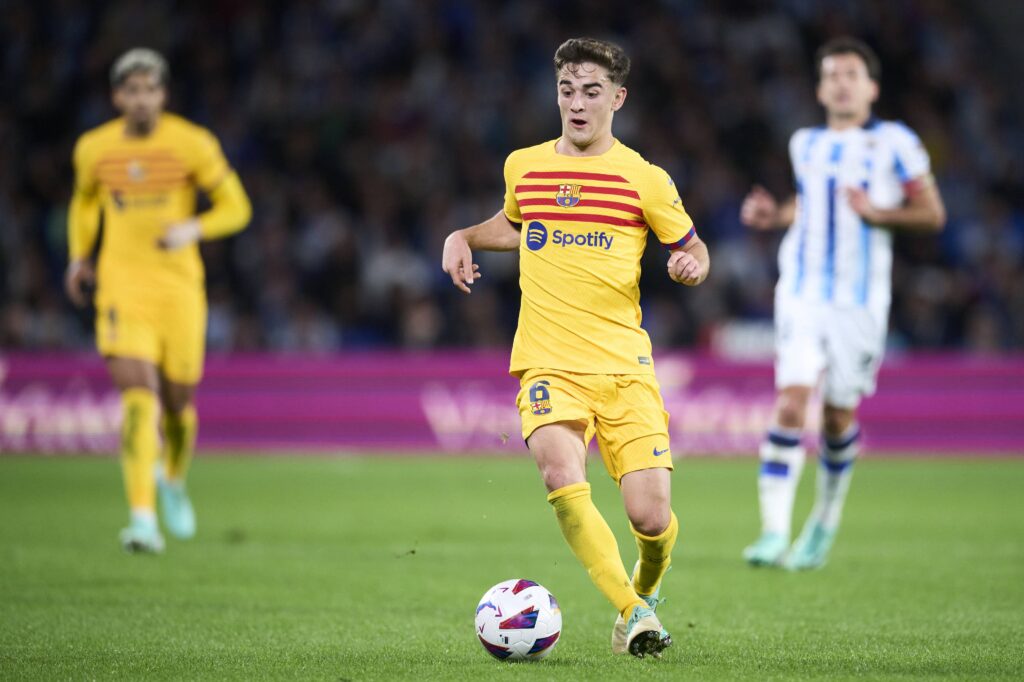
pixel 846 343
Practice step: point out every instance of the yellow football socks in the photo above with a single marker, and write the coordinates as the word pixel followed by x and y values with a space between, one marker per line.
pixel 655 556
pixel 594 545
pixel 179 441
pixel 139 447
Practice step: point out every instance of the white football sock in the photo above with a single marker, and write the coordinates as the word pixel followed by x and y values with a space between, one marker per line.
pixel 782 461
pixel 834 475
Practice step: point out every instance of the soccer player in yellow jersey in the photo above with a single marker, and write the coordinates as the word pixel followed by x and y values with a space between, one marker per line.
pixel 141 172
pixel 579 209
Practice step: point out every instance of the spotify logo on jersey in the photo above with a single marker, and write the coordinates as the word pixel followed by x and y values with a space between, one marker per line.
pixel 536 236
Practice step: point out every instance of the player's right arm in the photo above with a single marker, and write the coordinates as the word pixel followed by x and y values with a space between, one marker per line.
pixel 498 233
pixel 501 232
pixel 761 211
pixel 83 227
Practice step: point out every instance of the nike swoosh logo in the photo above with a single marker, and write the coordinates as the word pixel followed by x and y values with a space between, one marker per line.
pixel 659 453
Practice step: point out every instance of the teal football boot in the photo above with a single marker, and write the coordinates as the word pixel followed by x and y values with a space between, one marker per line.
pixel 619 645
pixel 644 634
pixel 811 549
pixel 767 550
pixel 176 508
pixel 142 537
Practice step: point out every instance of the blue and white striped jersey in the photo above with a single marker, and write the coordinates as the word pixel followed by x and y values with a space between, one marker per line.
pixel 830 255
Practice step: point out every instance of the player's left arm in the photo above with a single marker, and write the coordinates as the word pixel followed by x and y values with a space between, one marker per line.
pixel 690 264
pixel 663 210
pixel 230 209
pixel 923 208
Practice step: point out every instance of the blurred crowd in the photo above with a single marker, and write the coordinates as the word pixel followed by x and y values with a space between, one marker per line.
pixel 366 131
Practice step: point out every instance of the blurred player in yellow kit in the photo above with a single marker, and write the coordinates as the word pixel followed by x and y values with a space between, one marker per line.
pixel 140 172
pixel 579 210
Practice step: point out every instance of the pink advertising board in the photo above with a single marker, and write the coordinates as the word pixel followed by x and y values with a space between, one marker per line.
pixel 464 402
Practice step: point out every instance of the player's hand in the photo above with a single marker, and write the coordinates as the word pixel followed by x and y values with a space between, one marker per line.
pixel 857 197
pixel 759 210
pixel 79 280
pixel 457 261
pixel 179 235
pixel 685 269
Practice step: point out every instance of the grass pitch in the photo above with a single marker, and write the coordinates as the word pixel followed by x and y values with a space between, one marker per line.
pixel 371 568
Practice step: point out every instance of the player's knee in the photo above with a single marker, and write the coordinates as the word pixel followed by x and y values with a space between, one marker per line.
pixel 836 421
pixel 176 398
pixel 790 414
pixel 791 409
pixel 652 520
pixel 177 404
pixel 558 476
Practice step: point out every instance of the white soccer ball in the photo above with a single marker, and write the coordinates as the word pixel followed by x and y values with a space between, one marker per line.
pixel 518 620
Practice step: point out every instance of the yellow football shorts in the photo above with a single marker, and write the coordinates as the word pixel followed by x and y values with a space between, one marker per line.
pixel 624 411
pixel 168 330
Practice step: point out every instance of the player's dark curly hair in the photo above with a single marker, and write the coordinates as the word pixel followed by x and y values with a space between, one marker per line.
pixel 600 52
pixel 847 45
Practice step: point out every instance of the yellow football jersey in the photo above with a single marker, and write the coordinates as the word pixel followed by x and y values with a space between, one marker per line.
pixel 585 222
pixel 142 185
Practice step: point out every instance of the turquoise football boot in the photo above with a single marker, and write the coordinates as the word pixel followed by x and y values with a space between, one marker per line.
pixel 811 549
pixel 619 645
pixel 176 508
pixel 644 634
pixel 767 550
pixel 142 537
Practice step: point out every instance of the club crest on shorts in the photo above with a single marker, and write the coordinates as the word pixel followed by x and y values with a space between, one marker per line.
pixel 540 398
pixel 568 195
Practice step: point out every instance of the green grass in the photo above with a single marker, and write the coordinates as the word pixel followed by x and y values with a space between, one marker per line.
pixel 370 569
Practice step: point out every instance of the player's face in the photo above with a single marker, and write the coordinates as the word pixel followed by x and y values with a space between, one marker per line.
pixel 845 88
pixel 587 100
pixel 140 98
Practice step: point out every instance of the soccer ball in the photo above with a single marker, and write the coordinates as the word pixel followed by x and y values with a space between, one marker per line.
pixel 518 620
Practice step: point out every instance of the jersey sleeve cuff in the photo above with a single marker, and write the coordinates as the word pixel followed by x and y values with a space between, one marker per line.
pixel 682 242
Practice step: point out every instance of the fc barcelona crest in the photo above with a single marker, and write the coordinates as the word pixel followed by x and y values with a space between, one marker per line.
pixel 568 195
pixel 540 398
pixel 135 171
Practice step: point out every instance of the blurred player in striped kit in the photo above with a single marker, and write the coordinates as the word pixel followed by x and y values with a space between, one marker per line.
pixel 140 173
pixel 857 179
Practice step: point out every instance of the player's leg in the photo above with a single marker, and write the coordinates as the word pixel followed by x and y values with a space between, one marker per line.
pixel 183 333
pixel 632 431
pixel 647 498
pixel 782 459
pixel 137 381
pixel 840 447
pixel 180 426
pixel 800 359
pixel 840 443
pixel 856 344
pixel 560 452
pixel 127 338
